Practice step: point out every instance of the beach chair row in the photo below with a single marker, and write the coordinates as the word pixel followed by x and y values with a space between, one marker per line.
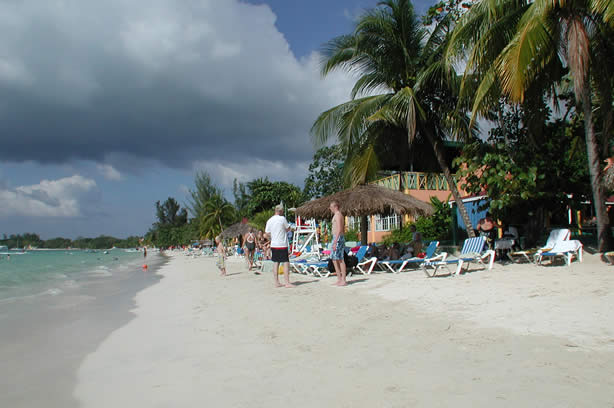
pixel 473 251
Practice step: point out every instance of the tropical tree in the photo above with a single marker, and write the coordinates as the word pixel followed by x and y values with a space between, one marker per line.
pixel 218 213
pixel 241 198
pixel 204 189
pixel 517 47
pixel 325 172
pixel 170 213
pixel 407 86
pixel 265 194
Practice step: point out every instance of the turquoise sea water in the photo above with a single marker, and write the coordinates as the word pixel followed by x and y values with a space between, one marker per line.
pixel 41 273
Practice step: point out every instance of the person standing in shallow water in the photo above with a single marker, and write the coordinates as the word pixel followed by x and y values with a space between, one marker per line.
pixel 276 229
pixel 338 227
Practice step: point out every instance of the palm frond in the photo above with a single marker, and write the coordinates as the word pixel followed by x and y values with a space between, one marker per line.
pixel 362 167
pixel 530 49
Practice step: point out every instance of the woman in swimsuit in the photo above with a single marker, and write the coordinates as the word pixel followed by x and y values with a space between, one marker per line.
pixel 250 247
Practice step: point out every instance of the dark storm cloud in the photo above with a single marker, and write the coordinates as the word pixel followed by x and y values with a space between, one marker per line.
pixel 167 81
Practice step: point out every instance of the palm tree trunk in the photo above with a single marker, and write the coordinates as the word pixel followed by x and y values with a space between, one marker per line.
pixel 594 169
pixel 437 148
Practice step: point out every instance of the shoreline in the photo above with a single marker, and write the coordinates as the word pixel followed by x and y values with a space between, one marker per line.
pixel 44 339
pixel 236 341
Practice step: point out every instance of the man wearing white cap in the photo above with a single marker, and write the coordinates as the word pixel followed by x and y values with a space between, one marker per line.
pixel 276 228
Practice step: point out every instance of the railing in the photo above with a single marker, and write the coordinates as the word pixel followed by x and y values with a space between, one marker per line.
pixel 414 181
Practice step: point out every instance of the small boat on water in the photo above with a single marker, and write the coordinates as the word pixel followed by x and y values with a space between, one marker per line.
pixel 4 250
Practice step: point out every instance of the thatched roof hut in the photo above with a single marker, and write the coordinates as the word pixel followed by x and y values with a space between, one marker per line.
pixel 236 229
pixel 366 200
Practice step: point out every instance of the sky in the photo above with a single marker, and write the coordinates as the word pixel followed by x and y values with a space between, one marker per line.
pixel 108 107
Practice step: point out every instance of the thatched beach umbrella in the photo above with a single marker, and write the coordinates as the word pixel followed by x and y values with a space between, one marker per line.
pixel 235 230
pixel 364 201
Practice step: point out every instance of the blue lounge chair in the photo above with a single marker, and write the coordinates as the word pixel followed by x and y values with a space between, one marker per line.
pixel 399 265
pixel 320 268
pixel 472 251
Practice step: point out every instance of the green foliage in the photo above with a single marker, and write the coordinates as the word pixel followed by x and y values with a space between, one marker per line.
pixel 57 243
pixel 259 220
pixel 22 240
pixel 398 235
pixel 204 190
pixel 266 194
pixel 241 198
pixel 453 9
pixel 391 50
pixel 172 222
pixel 517 173
pixel 218 214
pixel 434 227
pixel 352 235
pixel 170 213
pixel 325 172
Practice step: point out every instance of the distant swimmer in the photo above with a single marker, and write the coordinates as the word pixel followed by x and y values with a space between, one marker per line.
pixel 144 252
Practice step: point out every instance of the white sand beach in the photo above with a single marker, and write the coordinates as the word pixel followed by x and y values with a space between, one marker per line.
pixel 515 336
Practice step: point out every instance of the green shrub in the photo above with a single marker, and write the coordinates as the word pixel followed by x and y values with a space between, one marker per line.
pixel 434 227
pixel 352 235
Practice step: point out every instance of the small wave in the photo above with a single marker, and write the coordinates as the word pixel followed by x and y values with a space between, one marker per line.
pixel 59 276
pixel 71 284
pixel 99 273
pixel 48 292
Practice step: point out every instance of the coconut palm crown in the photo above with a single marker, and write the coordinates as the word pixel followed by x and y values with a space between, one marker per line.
pixel 402 84
pixel 514 46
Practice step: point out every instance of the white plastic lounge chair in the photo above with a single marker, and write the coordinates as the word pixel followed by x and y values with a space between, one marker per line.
pixel 472 251
pixel 364 266
pixel 566 249
pixel 556 235
pixel 397 266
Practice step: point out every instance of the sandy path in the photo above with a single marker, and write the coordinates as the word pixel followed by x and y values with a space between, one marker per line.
pixel 387 341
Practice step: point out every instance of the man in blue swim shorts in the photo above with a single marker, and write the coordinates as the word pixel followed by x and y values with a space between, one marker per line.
pixel 338 243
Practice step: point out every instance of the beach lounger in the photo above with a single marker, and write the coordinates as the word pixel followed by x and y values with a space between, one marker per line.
pixel 399 265
pixel 472 251
pixel 565 249
pixel 556 235
pixel 320 268
pixel 364 266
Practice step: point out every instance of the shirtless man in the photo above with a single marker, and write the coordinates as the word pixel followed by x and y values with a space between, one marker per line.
pixel 338 243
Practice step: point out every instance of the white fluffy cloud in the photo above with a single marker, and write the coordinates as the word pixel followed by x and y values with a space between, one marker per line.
pixel 169 81
pixel 49 198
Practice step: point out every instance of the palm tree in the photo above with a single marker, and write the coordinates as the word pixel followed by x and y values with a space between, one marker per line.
pixel 217 213
pixel 407 87
pixel 518 45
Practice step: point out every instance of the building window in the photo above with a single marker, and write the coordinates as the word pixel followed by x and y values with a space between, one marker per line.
pixel 354 223
pixel 387 223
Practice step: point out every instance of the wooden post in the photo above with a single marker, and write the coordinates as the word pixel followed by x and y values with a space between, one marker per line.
pixel 363 230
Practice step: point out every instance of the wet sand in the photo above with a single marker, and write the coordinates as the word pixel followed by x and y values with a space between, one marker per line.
pixel 44 339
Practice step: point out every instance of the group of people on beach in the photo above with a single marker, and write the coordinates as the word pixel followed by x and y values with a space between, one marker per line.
pixel 274 242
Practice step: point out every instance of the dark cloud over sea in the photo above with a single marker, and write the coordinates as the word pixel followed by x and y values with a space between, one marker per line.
pixel 184 84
